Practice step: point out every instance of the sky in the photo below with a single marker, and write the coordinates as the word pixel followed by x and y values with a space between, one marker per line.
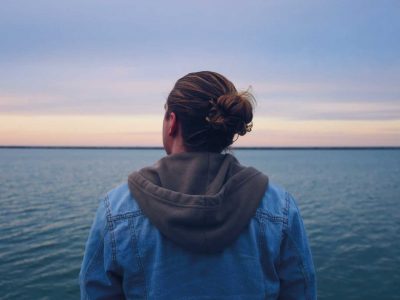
pixel 97 73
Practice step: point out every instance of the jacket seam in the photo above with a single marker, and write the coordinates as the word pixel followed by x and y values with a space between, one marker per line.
pixel 286 211
pixel 137 254
pixel 111 227
pixel 267 215
pixel 95 256
pixel 93 260
pixel 126 215
pixel 300 262
pixel 261 244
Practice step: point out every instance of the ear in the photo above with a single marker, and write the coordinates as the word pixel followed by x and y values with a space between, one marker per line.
pixel 173 124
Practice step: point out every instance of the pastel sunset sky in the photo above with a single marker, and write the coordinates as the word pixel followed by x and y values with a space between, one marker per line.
pixel 97 73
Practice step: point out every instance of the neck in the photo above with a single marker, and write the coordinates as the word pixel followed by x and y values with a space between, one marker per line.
pixel 177 149
pixel 176 145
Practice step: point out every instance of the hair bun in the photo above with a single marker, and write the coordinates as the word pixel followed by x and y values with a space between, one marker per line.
pixel 232 113
pixel 211 112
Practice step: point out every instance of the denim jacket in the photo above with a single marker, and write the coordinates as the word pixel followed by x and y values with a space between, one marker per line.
pixel 197 225
pixel 127 257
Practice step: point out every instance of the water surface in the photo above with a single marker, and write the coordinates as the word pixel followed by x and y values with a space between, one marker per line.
pixel 349 199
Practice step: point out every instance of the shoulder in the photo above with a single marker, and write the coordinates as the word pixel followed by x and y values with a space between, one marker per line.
pixel 277 201
pixel 119 201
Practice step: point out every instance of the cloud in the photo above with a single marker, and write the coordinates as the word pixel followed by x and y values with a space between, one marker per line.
pixel 269 131
pixel 308 61
pixel 311 33
pixel 293 109
pixel 142 130
pixel 89 130
pixel 59 87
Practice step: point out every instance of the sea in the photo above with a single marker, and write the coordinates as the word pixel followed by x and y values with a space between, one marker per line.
pixel 349 200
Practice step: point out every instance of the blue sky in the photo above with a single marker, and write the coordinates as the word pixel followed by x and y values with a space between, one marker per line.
pixel 323 72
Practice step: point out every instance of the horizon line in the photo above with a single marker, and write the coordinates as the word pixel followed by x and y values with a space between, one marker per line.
pixel 232 148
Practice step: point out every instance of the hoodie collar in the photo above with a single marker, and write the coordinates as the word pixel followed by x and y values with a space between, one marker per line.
pixel 200 200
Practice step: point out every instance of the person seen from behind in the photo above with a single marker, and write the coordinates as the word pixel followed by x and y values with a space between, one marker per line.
pixel 198 224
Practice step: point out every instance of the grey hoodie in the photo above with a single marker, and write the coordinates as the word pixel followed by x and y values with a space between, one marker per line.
pixel 200 200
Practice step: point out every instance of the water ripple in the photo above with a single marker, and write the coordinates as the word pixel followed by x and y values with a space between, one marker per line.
pixel 349 201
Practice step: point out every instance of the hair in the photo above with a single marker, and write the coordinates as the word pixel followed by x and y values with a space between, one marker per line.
pixel 210 110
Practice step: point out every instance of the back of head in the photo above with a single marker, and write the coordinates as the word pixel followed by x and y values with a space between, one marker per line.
pixel 210 110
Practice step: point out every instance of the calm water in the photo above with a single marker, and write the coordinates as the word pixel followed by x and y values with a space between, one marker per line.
pixel 349 199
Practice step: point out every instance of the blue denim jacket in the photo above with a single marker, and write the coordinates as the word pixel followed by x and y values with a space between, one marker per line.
pixel 127 257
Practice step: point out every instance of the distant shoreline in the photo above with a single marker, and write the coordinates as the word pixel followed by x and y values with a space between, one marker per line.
pixel 234 148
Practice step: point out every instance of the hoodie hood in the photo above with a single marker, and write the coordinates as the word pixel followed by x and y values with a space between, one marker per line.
pixel 200 200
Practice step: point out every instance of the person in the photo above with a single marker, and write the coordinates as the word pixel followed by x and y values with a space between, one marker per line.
pixel 198 224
